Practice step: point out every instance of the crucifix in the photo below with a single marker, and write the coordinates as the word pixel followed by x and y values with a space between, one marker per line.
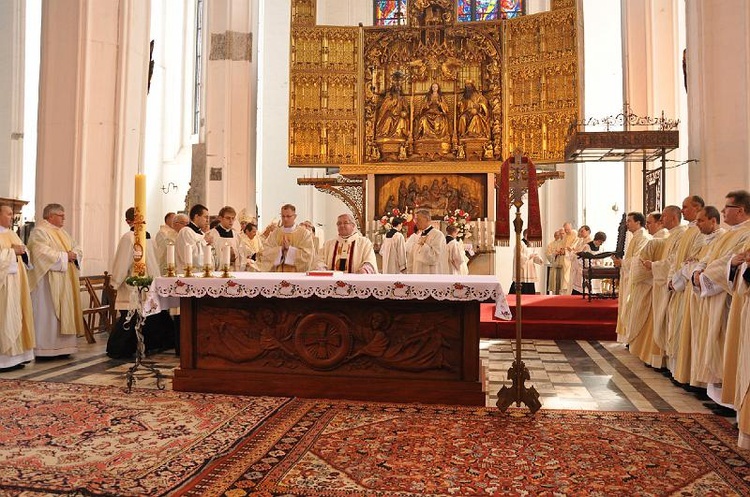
pixel 519 174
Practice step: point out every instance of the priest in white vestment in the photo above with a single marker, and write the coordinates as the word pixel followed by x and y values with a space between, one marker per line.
pixel 712 277
pixel 576 264
pixel 288 248
pixel 191 242
pixel 55 286
pixel 591 247
pixel 529 261
pixel 655 226
pixel 224 237
pixel 250 245
pixel 166 235
pixel 569 241
pixel 671 218
pixel 456 255
pixel 677 345
pixel 393 249
pixel 425 249
pixel 16 314
pixel 742 392
pixel 635 223
pixel 350 251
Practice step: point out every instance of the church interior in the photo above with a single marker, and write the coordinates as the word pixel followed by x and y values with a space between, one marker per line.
pixel 578 117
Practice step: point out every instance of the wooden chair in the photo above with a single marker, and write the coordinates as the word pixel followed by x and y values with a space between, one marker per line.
pixel 99 316
pixel 591 272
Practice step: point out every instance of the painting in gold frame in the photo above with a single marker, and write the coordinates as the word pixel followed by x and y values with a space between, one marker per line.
pixel 440 193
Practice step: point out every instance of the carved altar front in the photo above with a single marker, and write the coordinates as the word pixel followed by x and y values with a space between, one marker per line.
pixel 365 337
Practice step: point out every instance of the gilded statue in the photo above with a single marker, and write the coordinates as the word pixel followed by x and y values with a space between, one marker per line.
pixel 432 119
pixel 473 111
pixel 393 115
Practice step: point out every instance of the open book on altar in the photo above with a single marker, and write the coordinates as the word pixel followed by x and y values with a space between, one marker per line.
pixel 325 272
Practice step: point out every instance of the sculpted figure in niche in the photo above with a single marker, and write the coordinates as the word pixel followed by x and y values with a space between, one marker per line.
pixel 393 115
pixel 473 110
pixel 432 120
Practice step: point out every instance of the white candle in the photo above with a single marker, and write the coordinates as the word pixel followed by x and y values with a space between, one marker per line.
pixel 188 254
pixel 207 259
pixel 170 254
pixel 200 257
pixel 226 255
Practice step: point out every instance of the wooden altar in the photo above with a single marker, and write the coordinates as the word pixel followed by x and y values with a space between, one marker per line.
pixel 359 337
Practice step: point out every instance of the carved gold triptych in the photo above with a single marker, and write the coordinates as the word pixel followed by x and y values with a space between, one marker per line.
pixel 434 96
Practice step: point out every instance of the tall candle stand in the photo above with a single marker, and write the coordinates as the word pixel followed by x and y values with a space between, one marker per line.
pixel 137 320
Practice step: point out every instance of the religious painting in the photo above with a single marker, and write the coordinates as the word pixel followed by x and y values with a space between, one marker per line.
pixel 440 193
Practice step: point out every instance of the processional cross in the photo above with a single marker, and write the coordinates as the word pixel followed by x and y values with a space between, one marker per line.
pixel 519 174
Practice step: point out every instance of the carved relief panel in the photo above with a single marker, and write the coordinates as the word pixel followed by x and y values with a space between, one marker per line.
pixel 435 96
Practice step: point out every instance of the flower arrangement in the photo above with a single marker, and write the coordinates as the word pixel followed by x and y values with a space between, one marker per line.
pixel 460 219
pixel 386 222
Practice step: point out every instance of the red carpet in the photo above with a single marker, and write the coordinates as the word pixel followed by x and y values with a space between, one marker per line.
pixel 554 317
pixel 346 449
pixel 70 439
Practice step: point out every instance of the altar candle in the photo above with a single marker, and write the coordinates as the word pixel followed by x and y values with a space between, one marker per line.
pixel 139 230
pixel 207 259
pixel 170 254
pixel 188 254
pixel 226 255
pixel 200 256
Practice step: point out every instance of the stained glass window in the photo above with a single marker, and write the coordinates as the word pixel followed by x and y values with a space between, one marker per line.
pixel 487 10
pixel 389 12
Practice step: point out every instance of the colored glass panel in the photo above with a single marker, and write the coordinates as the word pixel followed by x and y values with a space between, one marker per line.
pixel 388 12
pixel 487 10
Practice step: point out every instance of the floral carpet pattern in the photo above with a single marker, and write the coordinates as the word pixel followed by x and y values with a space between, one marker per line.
pixel 318 448
pixel 74 439
pixel 88 440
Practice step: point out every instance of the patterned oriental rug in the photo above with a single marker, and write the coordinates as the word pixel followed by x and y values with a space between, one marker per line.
pixel 87 440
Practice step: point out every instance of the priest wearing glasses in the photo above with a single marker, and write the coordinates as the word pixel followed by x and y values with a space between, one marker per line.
pixel 349 252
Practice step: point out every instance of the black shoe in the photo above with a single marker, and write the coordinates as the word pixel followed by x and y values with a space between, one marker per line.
pixel 12 368
pixel 726 412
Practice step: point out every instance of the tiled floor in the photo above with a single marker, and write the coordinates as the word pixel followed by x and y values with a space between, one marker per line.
pixel 567 374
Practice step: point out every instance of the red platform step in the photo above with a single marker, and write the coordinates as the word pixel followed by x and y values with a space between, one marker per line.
pixel 554 317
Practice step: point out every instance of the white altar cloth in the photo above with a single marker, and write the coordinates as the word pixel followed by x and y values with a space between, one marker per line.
pixel 349 286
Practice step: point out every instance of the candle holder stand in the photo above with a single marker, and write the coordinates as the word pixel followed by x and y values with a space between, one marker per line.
pixel 170 271
pixel 188 271
pixel 137 320
pixel 225 272
pixel 207 271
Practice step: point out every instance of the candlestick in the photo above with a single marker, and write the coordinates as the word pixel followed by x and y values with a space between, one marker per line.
pixel 139 229
pixel 226 255
pixel 208 259
pixel 200 257
pixel 170 253
pixel 188 254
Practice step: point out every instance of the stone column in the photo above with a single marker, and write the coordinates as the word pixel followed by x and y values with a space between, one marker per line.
pixel 92 90
pixel 652 73
pixel 718 78
pixel 228 176
pixel 12 19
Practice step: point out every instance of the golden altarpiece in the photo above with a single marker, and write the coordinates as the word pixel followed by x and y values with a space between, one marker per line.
pixel 422 112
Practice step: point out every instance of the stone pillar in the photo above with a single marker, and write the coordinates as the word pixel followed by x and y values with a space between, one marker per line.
pixel 12 19
pixel 652 73
pixel 230 108
pixel 718 78
pixel 92 90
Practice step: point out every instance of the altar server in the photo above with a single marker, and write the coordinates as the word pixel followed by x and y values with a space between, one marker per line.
pixel 393 249
pixel 425 249
pixel 224 235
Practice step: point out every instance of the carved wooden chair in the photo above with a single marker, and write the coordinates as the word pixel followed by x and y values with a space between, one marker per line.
pixel 99 316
